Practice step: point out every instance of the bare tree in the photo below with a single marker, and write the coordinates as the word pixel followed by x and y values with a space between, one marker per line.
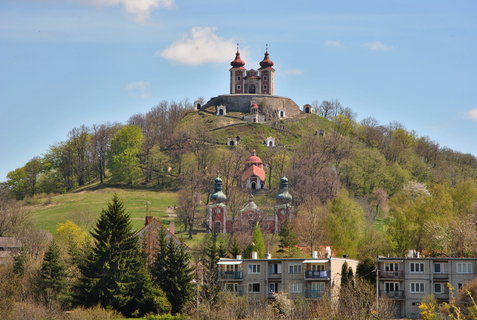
pixel 311 220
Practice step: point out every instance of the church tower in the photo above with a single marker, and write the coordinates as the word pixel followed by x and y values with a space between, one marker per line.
pixel 217 211
pixel 237 74
pixel 267 74
pixel 283 207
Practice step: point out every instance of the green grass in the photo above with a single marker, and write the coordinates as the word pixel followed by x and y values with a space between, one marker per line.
pixel 85 206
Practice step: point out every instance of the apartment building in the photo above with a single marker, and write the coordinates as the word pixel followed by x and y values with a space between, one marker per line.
pixel 407 280
pixel 261 278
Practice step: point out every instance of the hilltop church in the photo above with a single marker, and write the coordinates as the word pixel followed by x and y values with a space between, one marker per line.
pixel 252 92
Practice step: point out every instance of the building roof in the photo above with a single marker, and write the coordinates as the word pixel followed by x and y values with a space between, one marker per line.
pixel 266 62
pixel 254 171
pixel 237 62
pixel 10 242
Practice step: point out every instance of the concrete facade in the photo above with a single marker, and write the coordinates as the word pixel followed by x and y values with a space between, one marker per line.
pixel 300 278
pixel 408 280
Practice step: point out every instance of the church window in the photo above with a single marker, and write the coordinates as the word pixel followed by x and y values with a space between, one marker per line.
pixel 217 227
pixel 238 78
pixel 238 87
pixel 265 87
pixel 264 78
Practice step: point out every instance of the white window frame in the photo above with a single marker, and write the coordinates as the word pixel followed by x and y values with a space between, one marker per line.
pixel 231 287
pixel 275 287
pixel 296 287
pixel 388 285
pixel 295 268
pixel 415 287
pixel 444 267
pixel 441 285
pixel 391 266
pixel 251 286
pixel 416 267
pixel 464 267
pixel 254 268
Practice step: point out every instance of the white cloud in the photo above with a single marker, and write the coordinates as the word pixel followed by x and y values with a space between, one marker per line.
pixel 139 89
pixel 333 43
pixel 377 46
pixel 140 9
pixel 293 72
pixel 472 114
pixel 201 45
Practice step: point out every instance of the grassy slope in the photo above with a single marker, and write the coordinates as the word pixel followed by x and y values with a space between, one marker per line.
pixel 83 207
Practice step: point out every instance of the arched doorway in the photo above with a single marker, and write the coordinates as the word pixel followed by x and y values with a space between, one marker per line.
pixel 217 227
pixel 221 112
pixel 307 110
pixel 254 185
pixel 251 88
pixel 270 143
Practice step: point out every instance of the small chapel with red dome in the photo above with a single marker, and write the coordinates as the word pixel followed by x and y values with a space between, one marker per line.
pixel 253 177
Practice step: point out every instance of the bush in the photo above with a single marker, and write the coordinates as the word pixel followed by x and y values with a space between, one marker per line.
pixel 93 314
pixel 167 316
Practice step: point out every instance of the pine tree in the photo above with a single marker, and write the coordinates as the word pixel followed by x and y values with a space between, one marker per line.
pixel 210 257
pixel 53 281
pixel 366 270
pixel 257 244
pixel 173 272
pixel 114 274
pixel 344 274
pixel 288 237
pixel 234 250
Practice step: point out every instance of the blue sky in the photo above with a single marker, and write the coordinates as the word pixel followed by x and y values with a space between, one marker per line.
pixel 64 63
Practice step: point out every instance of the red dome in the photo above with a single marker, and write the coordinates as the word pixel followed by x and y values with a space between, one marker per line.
pixel 266 62
pixel 254 106
pixel 238 62
pixel 254 159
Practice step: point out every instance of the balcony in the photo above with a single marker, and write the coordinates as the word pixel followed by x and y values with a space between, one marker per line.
pixel 317 275
pixel 314 294
pixel 399 294
pixel 441 275
pixel 231 275
pixel 399 274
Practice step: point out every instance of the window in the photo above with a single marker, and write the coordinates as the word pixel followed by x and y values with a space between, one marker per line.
pixel 275 268
pixel 254 287
pixel 264 78
pixel 417 287
pixel 417 267
pixel 238 78
pixel 253 268
pixel 391 286
pixel 464 267
pixel 317 267
pixel 441 268
pixel 438 288
pixel 238 87
pixel 391 266
pixel 295 287
pixel 273 287
pixel 264 87
pixel 318 286
pixel 232 287
pixel 294 268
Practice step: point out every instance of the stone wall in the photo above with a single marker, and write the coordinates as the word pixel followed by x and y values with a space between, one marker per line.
pixel 242 102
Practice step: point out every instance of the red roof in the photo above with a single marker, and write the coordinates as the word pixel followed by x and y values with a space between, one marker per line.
pixel 254 171
pixel 254 159
pixel 254 106
pixel 266 62
pixel 238 62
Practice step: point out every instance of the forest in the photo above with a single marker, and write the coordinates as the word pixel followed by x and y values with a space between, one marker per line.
pixel 364 188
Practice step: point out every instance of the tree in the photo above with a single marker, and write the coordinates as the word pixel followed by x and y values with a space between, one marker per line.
pixel 288 237
pixel 32 170
pixel 345 280
pixel 367 270
pixel 124 154
pixel 257 244
pixel 114 274
pixel 312 220
pixel 346 224
pixel 173 273
pixel 53 282
pixel 17 182
pixel 210 276
pixel 79 144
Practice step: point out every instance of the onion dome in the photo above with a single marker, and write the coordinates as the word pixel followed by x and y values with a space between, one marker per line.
pixel 218 196
pixel 284 196
pixel 253 159
pixel 254 106
pixel 237 62
pixel 266 62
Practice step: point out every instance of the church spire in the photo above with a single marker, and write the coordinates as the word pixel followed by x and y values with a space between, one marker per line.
pixel 237 62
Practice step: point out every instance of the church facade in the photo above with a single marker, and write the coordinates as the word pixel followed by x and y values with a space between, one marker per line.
pixel 250 215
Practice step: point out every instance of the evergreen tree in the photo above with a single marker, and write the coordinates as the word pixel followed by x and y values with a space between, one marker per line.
pixel 234 250
pixel 288 237
pixel 366 270
pixel 53 281
pixel 210 257
pixel 19 262
pixel 344 274
pixel 173 272
pixel 114 274
pixel 257 244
